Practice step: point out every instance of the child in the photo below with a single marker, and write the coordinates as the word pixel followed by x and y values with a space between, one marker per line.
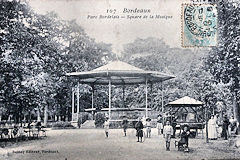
pixel 125 125
pixel 167 133
pixel 159 126
pixel 184 138
pixel 148 127
pixel 139 128
pixel 106 127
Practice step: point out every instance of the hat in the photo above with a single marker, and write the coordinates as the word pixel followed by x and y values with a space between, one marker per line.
pixel 186 125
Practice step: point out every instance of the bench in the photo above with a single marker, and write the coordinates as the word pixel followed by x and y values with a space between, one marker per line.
pixel 44 132
pixel 39 132
pixel 179 145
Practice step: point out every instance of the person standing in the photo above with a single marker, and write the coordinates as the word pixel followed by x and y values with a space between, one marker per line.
pixel 231 120
pixel 159 125
pixel 212 128
pixel 106 127
pixel 174 124
pixel 184 138
pixel 233 128
pixel 167 133
pixel 225 127
pixel 233 140
pixel 38 125
pixel 139 129
pixel 148 127
pixel 218 124
pixel 125 125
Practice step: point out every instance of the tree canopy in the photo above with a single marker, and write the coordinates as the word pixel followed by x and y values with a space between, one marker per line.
pixel 36 52
pixel 223 60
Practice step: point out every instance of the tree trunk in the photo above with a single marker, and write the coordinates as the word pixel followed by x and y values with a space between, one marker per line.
pixel 38 115
pixel 24 119
pixel 16 116
pixel 29 118
pixel 45 115
pixel 69 113
pixel 20 115
pixel 235 106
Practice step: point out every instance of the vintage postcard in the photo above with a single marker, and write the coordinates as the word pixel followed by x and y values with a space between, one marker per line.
pixel 119 79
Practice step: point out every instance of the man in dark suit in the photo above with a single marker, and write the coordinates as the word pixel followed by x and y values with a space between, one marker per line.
pixel 225 127
pixel 139 128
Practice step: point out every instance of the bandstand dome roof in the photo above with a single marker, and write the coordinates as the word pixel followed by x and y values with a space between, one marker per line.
pixel 119 73
pixel 186 101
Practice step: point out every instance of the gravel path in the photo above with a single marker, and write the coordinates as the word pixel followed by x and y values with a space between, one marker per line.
pixel 90 144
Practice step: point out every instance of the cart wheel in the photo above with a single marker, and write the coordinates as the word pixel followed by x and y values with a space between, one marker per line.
pixel 176 144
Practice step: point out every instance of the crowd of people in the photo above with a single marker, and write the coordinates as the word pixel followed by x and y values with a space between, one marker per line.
pixel 166 130
pixel 226 128
pixel 12 130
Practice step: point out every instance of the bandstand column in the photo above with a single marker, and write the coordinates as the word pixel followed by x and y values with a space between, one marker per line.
pixel 123 98
pixel 92 100
pixel 162 97
pixel 109 98
pixel 146 91
pixel 151 86
pixel 78 97
pixel 72 102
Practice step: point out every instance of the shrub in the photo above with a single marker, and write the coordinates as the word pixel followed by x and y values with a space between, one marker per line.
pixel 84 118
pixel 118 124
pixel 99 120
pixel 62 125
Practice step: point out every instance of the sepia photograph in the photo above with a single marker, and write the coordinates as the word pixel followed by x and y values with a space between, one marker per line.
pixel 119 79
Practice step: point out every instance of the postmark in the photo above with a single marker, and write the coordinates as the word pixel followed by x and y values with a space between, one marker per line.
pixel 199 25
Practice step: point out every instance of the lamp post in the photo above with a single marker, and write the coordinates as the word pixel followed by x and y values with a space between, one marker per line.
pixel 146 96
pixel 73 90
pixel 109 98
pixel 162 97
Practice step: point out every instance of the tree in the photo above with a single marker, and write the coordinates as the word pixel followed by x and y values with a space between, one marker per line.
pixel 192 77
pixel 185 64
pixel 223 61
pixel 36 52
pixel 15 43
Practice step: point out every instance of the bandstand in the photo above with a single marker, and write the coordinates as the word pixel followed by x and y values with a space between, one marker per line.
pixel 187 110
pixel 115 73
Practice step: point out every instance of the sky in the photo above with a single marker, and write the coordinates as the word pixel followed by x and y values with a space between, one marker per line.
pixel 119 31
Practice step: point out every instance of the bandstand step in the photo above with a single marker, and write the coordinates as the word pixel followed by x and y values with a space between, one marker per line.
pixel 88 124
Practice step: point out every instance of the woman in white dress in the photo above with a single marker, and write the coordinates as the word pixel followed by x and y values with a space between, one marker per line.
pixel 212 128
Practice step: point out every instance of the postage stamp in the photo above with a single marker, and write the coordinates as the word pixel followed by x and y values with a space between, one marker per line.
pixel 199 25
